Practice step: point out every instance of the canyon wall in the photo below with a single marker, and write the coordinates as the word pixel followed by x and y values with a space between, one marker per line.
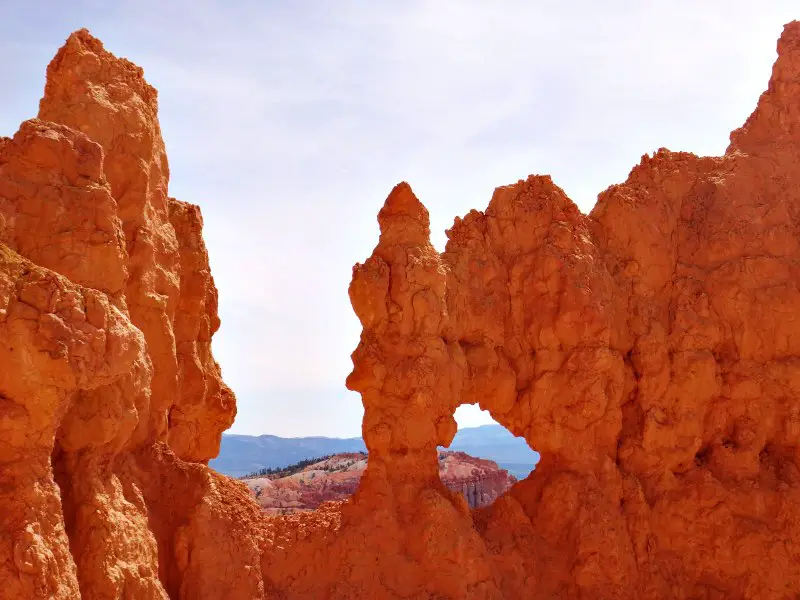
pixel 649 350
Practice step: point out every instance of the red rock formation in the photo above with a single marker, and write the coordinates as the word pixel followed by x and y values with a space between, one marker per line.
pixel 336 478
pixel 479 480
pixel 106 314
pixel 650 350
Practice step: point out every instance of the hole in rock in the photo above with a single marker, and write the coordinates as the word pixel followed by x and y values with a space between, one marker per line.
pixel 484 459
pixel 296 474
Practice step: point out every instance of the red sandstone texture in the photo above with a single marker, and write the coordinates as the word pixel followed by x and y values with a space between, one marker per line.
pixel 649 350
pixel 336 478
pixel 107 309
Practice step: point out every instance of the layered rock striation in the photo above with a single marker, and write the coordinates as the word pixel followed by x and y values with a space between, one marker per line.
pixel 649 350
pixel 480 481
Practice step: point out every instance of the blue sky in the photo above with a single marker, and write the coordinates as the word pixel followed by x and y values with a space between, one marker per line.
pixel 289 122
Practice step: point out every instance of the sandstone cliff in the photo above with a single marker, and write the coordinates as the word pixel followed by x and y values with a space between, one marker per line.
pixel 336 478
pixel 107 309
pixel 649 350
pixel 480 481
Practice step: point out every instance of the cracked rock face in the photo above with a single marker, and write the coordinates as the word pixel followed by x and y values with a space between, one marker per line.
pixel 649 350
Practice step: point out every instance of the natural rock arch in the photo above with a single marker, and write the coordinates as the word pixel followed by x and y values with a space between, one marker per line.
pixel 647 349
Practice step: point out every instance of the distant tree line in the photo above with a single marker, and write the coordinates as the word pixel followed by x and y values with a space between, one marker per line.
pixel 278 472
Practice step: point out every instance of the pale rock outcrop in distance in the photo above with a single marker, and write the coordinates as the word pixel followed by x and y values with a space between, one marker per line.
pixel 337 477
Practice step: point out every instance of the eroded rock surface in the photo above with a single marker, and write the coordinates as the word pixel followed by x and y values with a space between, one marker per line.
pixel 106 314
pixel 649 350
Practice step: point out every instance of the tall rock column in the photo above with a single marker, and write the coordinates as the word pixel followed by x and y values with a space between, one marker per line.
pixel 105 359
pixel 403 366
pixel 108 99
pixel 410 377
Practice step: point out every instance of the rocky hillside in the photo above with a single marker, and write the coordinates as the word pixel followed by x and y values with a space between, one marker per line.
pixel 337 477
pixel 240 455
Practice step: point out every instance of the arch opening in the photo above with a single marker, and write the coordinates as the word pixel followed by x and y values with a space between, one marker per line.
pixel 482 462
pixel 485 459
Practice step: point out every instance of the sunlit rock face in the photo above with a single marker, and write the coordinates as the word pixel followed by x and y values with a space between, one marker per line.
pixel 649 350
pixel 107 309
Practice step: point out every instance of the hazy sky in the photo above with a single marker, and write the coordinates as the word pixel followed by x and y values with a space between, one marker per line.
pixel 289 122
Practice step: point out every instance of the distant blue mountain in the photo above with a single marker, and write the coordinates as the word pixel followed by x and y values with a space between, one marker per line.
pixel 497 443
pixel 243 454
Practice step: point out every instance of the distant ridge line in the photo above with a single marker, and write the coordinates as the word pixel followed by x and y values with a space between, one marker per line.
pixel 241 454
